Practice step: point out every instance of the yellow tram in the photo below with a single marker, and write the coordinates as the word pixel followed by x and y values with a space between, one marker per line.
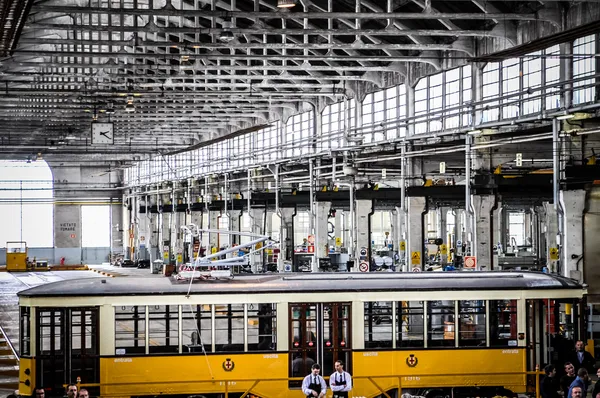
pixel 428 335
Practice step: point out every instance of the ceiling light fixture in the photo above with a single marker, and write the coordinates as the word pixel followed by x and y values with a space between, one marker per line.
pixel 286 3
pixel 130 107
pixel 474 132
pixel 226 34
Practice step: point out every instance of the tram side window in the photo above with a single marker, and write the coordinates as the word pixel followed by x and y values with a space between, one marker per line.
pixel 163 328
pixel 130 330
pixel 440 328
pixel 229 327
pixel 378 324
pixel 51 332
pixel 197 328
pixel 503 323
pixel 262 329
pixel 25 331
pixel 471 325
pixel 410 324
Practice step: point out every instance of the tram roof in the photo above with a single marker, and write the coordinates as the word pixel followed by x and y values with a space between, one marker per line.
pixel 304 282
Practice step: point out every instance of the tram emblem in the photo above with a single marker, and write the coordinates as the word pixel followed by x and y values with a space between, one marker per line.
pixel 412 361
pixel 228 365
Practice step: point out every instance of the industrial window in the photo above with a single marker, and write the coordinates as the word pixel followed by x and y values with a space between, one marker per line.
pixel 401 110
pixel 378 324
pixel 26 208
pixel 552 76
pixel 196 328
pixel 436 101
pixel 298 133
pixel 467 95
pixel 229 327
pixel 503 323
pixel 266 145
pixel 163 329
pixel 391 112
pixel 510 88
pixel 440 325
pixel 25 331
pixel 584 64
pixel 471 325
pixel 262 327
pixel 491 89
pixel 532 80
pixel 301 227
pixel 95 226
pixel 421 106
pixel 380 224
pixel 130 330
pixel 335 121
pixel 453 98
pixel 410 324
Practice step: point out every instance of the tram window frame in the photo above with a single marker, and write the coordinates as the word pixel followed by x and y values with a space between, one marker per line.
pixel 376 314
pixel 265 330
pixel 167 333
pixel 476 336
pixel 416 338
pixel 447 327
pixel 56 329
pixel 498 325
pixel 130 314
pixel 201 321
pixel 25 331
pixel 234 312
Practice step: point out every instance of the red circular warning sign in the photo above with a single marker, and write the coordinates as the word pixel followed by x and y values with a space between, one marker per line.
pixel 73 236
pixel 363 266
pixel 470 262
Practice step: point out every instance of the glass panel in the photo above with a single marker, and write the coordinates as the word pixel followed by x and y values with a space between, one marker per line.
pixel 503 323
pixel 25 331
pixel 378 324
pixel 440 330
pixel 130 330
pixel 229 327
pixel 163 326
pixel 410 324
pixel 262 327
pixel 471 326
pixel 584 64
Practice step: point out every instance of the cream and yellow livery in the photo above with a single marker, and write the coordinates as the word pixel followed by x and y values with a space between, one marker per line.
pixel 430 334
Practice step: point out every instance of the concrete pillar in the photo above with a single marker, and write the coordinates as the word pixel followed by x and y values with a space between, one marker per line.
pixel 363 210
pixel 416 207
pixel 213 223
pixel 541 245
pixel 321 238
pixel 573 203
pixel 476 92
pixel 482 205
pixel 286 247
pixel 410 107
pixel 143 236
pixel 497 215
pixel 442 219
pixel 256 227
pixel 338 227
pixel 399 236
pixel 551 232
pixel 234 225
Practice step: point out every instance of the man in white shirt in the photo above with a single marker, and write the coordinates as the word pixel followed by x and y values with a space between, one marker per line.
pixel 340 382
pixel 314 385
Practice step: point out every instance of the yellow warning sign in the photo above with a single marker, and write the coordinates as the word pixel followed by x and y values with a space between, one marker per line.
pixel 444 249
pixel 338 241
pixel 179 258
pixel 554 253
pixel 213 250
pixel 258 246
pixel 402 246
pixel 269 252
pixel 415 258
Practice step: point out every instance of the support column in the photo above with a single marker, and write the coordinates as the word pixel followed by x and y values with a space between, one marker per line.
pixel 286 247
pixel 416 207
pixel 256 227
pixel 573 203
pixel 213 237
pixel 541 245
pixel 497 215
pixel 234 225
pixel 143 234
pixel 363 209
pixel 482 205
pixel 321 238
pixel 551 232
pixel 442 233
pixel 398 236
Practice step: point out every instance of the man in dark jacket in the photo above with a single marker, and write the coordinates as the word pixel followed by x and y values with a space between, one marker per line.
pixel 580 358
pixel 550 384
pixel 568 378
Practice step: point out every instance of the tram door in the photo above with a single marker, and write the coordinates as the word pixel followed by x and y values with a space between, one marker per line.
pixel 67 347
pixel 319 333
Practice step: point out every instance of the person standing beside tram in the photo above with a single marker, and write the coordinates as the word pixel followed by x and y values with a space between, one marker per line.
pixel 340 382
pixel 314 385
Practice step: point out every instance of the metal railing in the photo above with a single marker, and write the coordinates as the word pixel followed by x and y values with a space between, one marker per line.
pixel 9 343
